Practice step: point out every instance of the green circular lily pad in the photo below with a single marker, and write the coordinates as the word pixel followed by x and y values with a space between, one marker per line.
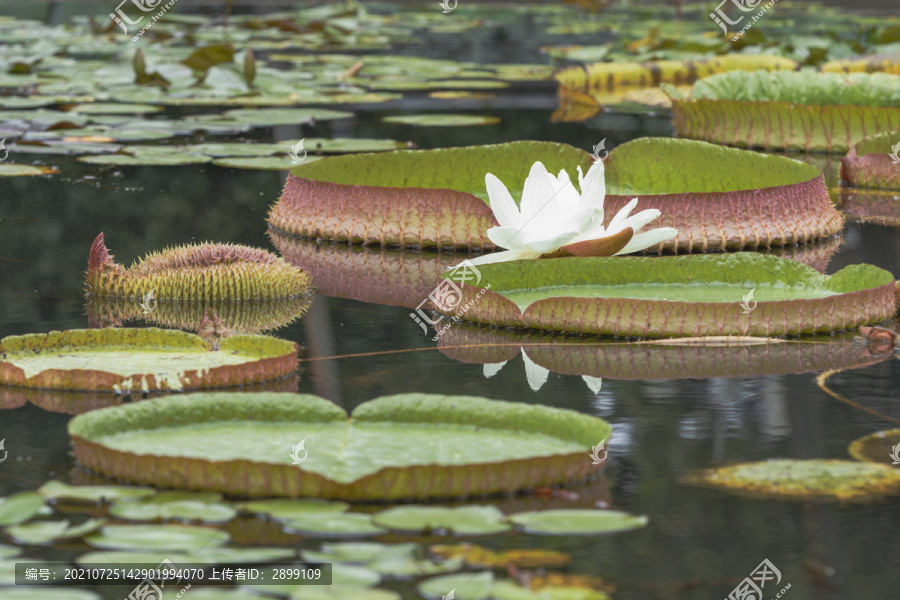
pixel 140 359
pixel 112 108
pixel 812 479
pixel 269 117
pixel 466 586
pixel 282 509
pixel 747 294
pixel 20 507
pixel 879 447
pixel 145 160
pixel 466 445
pixel 577 521
pixel 39 533
pixel 333 524
pixel 93 494
pixel 17 170
pixel 463 520
pixel 432 120
pixel 157 537
pixel 236 149
pixel 178 507
pixel 209 555
pixel 262 163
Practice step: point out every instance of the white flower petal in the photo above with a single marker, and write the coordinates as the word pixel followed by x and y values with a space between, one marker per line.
pixel 647 239
pixel 491 369
pixel 534 373
pixel 542 246
pixel 616 224
pixel 502 203
pixel 512 238
pixel 505 256
pixel 594 383
pixel 638 221
pixel 538 195
pixel 593 186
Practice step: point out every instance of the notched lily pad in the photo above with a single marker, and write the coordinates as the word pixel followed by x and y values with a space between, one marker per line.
pixel 686 296
pixel 497 446
pixel 813 479
pixel 140 360
pixel 577 521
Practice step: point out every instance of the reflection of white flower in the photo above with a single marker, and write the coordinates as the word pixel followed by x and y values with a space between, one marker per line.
pixel 553 215
pixel 537 375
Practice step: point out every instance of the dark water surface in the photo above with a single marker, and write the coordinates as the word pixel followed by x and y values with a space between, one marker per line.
pixel 699 543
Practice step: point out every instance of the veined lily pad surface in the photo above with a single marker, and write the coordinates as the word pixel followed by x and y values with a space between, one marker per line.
pixel 813 479
pixel 140 360
pixel 874 162
pixel 789 110
pixel 718 198
pixel 677 296
pixel 464 445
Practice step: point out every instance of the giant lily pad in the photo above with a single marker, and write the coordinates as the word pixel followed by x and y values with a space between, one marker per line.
pixel 877 447
pixel 718 198
pixel 789 110
pixel 497 446
pixel 686 358
pixel 680 296
pixel 843 480
pixel 871 163
pixel 144 359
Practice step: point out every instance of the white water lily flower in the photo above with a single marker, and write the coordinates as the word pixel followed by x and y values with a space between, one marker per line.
pixel 552 215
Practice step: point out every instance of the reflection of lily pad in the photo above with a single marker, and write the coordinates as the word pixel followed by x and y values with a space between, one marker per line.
pixel 877 447
pixel 881 207
pixel 157 537
pixel 577 521
pixel 843 480
pixel 143 359
pixel 381 276
pixel 689 358
pixel 463 520
pixel 870 163
pixel 431 120
pixel 498 446
pixel 586 295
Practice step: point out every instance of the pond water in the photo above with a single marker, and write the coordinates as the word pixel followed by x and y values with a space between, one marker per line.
pixel 699 543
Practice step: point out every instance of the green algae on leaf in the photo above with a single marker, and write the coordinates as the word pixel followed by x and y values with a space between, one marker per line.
pixel 498 446
pixel 141 359
pixel 183 538
pixel 812 479
pixel 789 110
pixel 872 163
pixel 431 120
pixel 198 272
pixel 463 520
pixel 877 447
pixel 577 521
pixel 584 295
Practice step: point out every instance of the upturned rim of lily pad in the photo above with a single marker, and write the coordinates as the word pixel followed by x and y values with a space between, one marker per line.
pixel 270 358
pixel 676 358
pixel 870 162
pixel 870 482
pixel 862 294
pixel 717 197
pixel 282 479
pixel 858 448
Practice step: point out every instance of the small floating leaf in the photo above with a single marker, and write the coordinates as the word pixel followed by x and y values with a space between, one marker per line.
pixel 432 120
pixel 479 556
pixel 157 537
pixel 577 521
pixel 281 509
pixel 44 532
pixel 20 507
pixel 146 160
pixel 45 593
pixel 59 491
pixel 180 506
pixel 466 586
pixel 270 117
pixel 332 524
pixel 877 447
pixel 464 520
pixel 262 163
pixel 17 170
pixel 811 479
pixel 111 108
